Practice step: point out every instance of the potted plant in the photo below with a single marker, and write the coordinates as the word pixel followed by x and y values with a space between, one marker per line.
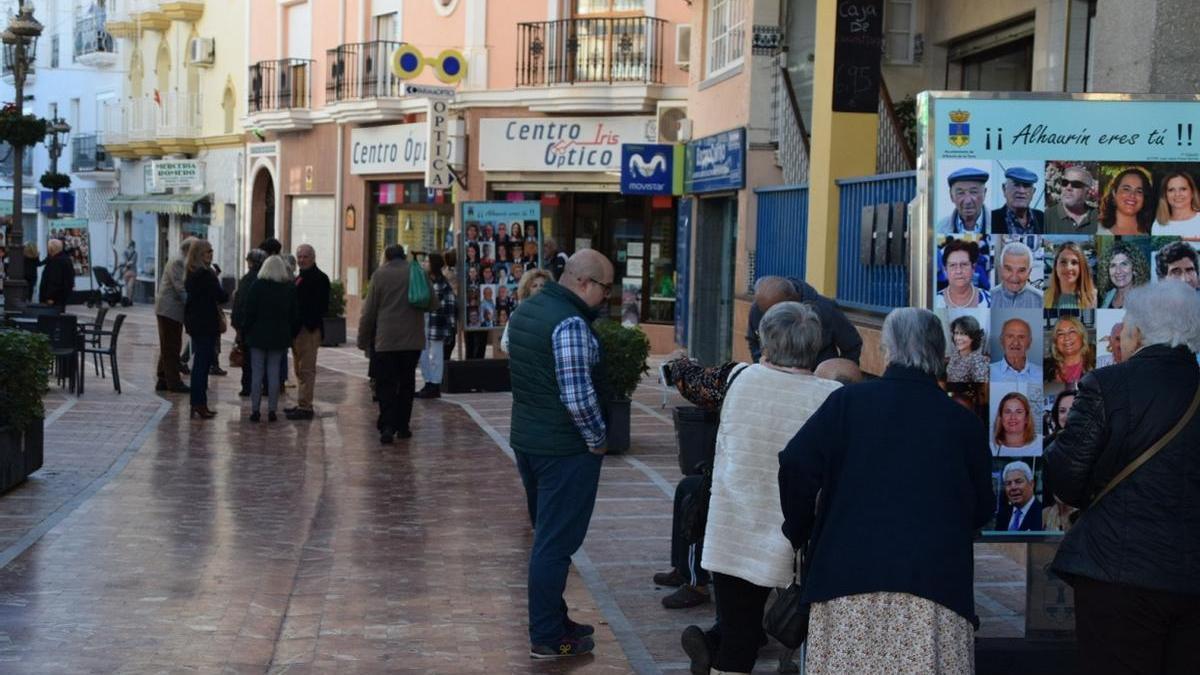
pixel 20 129
pixel 25 362
pixel 335 317
pixel 624 352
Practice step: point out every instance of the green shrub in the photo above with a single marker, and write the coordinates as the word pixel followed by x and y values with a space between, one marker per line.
pixel 25 362
pixel 337 299
pixel 625 351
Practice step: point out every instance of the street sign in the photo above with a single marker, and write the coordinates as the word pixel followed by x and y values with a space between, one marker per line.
pixel 716 162
pixel 427 91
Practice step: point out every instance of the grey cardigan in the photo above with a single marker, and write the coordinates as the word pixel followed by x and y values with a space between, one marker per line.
pixel 171 294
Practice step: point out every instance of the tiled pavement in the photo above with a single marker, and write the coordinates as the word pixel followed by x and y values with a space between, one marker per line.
pixel 154 543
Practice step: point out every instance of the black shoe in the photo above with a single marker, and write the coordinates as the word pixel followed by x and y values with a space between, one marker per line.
pixel 299 413
pixel 386 436
pixel 673 579
pixel 576 631
pixel 244 393
pixel 404 433
pixel 216 370
pixel 696 646
pixel 255 416
pixel 160 386
pixel 271 416
pixel 686 596
pixel 184 369
pixel 180 389
pixel 430 391
pixel 289 411
pixel 566 646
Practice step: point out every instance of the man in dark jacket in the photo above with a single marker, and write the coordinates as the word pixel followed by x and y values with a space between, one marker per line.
pixel 392 333
pixel 312 291
pixel 839 339
pixel 559 437
pixel 1133 557
pixel 58 279
pixel 254 261
pixel 1022 512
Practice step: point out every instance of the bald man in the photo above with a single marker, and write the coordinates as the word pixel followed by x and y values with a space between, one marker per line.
pixel 559 437
pixel 838 336
pixel 58 279
pixel 839 370
pixel 312 294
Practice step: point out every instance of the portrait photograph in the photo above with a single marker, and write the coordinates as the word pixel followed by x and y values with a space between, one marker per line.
pixel 1018 272
pixel 1128 200
pixel 965 196
pixel 1022 188
pixel 966 344
pixel 963 272
pixel 1177 212
pixel 1108 337
pixel 1015 423
pixel 1069 265
pixel 1072 197
pixel 1122 263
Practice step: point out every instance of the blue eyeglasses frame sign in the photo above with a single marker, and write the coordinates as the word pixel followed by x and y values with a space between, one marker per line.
pixel 449 65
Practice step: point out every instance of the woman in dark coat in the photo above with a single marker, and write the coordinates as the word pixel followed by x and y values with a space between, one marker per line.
pixel 890 566
pixel 1133 556
pixel 201 320
pixel 270 318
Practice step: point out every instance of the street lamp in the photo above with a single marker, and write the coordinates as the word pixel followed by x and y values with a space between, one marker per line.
pixel 20 53
pixel 55 129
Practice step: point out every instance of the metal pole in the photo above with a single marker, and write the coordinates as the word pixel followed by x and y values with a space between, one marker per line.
pixel 55 150
pixel 16 293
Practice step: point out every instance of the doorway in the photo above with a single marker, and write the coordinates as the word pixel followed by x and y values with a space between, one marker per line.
pixel 713 277
pixel 262 208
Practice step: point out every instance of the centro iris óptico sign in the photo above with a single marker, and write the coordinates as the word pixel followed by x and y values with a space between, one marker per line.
pixel 560 144
pixel 398 148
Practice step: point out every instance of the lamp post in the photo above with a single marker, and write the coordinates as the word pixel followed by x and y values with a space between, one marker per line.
pixel 54 144
pixel 20 52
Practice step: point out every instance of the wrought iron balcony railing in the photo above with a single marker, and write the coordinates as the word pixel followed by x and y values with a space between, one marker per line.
pixel 90 36
pixel 88 154
pixel 285 84
pixel 361 70
pixel 577 51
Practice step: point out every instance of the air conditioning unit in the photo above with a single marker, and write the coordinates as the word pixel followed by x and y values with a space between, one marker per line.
pixel 683 45
pixel 669 118
pixel 202 51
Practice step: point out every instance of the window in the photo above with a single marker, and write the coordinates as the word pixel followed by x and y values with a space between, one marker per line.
pixel 608 7
pixel 53 51
pixel 387 27
pixel 900 22
pixel 726 35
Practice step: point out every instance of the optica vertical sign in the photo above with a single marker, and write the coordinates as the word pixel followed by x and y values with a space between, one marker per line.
pixel 437 170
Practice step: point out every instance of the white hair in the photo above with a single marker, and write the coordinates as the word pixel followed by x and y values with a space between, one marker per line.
pixel 1166 313
pixel 1017 466
pixel 275 269
pixel 1016 248
pixel 791 335
pixel 913 337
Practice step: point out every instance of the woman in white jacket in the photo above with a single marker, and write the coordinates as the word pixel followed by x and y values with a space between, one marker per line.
pixel 744 547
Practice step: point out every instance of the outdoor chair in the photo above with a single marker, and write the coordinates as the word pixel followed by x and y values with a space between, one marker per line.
pixel 110 351
pixel 91 336
pixel 65 343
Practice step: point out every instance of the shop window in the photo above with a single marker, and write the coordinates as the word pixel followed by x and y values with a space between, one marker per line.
pixel 900 17
pixel 726 35
pixel 409 214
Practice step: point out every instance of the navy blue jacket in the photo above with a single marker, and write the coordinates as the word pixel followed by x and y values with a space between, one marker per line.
pixel 839 338
pixel 1031 523
pixel 904 477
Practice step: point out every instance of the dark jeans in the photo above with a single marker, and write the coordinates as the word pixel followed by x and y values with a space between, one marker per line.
pixel 1122 629
pixel 685 555
pixel 740 605
pixel 247 370
pixel 204 350
pixel 395 383
pixel 565 489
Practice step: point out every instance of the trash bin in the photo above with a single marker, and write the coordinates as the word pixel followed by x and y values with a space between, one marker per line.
pixel 695 437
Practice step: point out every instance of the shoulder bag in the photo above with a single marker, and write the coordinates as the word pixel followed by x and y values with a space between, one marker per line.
pixel 420 292
pixel 787 618
pixel 1153 450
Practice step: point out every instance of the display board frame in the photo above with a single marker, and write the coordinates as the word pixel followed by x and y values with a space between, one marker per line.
pixel 492 214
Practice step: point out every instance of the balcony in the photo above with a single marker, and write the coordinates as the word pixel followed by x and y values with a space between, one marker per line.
pixel 150 127
pixel 89 158
pixel 360 86
pixel 592 64
pixel 186 10
pixel 93 45
pixel 125 17
pixel 280 96
pixel 179 123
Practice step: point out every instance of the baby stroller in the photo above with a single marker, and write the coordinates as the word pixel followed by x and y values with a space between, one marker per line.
pixel 110 290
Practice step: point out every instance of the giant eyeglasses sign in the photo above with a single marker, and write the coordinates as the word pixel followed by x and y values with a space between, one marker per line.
pixel 449 66
pixel 1036 214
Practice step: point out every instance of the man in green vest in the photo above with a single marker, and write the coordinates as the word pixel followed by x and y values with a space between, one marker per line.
pixel 558 435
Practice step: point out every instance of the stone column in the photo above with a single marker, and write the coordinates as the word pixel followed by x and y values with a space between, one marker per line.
pixel 1146 47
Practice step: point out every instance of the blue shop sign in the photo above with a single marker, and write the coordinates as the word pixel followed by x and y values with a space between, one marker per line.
pixel 716 162
pixel 647 169
pixel 66 202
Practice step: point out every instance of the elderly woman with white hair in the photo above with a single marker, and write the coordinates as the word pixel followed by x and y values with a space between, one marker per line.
pixel 884 487
pixel 1128 456
pixel 762 406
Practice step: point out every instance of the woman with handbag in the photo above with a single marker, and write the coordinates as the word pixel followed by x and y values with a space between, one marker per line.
pixel 202 318
pixel 270 320
pixel 888 575
pixel 1128 456
pixel 744 547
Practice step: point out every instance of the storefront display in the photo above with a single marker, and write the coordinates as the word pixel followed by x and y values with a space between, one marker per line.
pixel 408 214
pixel 501 241
pixel 1042 214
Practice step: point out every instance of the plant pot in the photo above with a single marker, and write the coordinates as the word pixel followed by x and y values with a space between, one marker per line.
pixel 20 454
pixel 617 422
pixel 695 437
pixel 335 331
pixel 460 377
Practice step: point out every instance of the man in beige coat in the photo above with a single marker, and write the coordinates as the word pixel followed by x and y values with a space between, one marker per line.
pixel 392 333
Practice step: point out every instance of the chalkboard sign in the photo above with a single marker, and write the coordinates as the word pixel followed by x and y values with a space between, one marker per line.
pixel 858 48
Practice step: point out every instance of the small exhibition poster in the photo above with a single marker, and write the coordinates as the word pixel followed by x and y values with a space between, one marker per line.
pixel 1044 212
pixel 500 242
pixel 73 233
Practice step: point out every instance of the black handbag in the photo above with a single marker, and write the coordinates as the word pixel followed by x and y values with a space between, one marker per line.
pixel 787 618
pixel 694 509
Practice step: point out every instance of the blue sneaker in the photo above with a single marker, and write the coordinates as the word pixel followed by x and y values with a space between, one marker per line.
pixel 566 646
pixel 579 630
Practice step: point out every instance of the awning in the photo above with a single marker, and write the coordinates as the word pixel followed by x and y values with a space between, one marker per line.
pixel 178 204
